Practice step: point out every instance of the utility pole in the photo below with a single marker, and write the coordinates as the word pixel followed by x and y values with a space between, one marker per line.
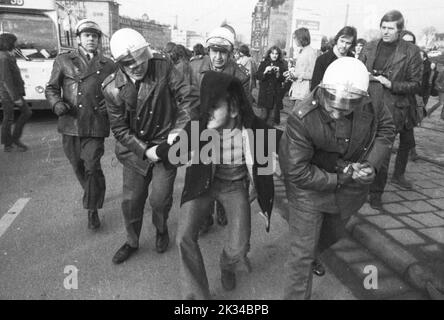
pixel 346 14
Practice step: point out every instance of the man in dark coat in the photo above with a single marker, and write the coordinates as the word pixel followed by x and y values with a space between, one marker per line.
pixel 74 94
pixel 12 91
pixel 148 102
pixel 396 69
pixel 226 116
pixel 344 41
pixel 334 142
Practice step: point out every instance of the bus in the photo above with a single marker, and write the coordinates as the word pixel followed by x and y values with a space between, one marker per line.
pixel 44 29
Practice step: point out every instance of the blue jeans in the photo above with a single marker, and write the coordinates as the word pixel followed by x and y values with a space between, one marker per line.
pixel 135 193
pixel 311 232
pixel 233 195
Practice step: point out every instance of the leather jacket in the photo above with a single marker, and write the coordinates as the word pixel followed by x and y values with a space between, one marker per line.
pixel 10 77
pixel 404 70
pixel 164 102
pixel 78 83
pixel 308 162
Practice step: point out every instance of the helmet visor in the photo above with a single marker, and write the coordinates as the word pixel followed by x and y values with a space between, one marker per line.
pixel 136 57
pixel 342 100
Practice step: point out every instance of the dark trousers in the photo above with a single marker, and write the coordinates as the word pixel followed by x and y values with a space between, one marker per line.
pixel 233 195
pixel 311 232
pixel 135 193
pixel 84 154
pixel 8 119
pixel 406 142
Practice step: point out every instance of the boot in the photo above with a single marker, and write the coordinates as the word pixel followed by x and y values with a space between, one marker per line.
pixel 401 181
pixel 413 155
pixel 228 280
pixel 21 147
pixel 375 201
pixel 93 220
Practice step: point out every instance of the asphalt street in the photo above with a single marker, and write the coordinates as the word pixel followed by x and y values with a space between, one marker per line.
pixel 47 238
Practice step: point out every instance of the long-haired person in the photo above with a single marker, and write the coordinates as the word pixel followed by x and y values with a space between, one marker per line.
pixel 271 76
pixel 12 91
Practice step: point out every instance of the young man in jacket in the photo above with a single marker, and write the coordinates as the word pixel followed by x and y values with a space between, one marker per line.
pixel 148 102
pixel 221 169
pixel 74 94
pixel 220 45
pixel 396 75
pixel 12 91
pixel 333 145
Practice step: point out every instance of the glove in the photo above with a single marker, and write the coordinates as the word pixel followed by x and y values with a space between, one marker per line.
pixel 61 108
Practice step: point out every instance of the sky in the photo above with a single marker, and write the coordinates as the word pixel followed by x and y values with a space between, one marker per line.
pixel 204 15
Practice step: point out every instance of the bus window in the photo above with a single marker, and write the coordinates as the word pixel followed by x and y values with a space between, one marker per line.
pixel 36 34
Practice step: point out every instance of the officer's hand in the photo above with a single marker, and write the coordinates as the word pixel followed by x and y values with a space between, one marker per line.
pixel 61 108
pixel 384 81
pixel 363 173
pixel 151 154
pixel 19 102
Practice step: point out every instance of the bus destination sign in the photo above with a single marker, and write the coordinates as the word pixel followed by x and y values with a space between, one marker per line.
pixel 12 2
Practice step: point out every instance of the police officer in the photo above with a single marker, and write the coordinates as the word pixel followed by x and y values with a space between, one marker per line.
pixel 220 45
pixel 148 102
pixel 74 94
pixel 334 142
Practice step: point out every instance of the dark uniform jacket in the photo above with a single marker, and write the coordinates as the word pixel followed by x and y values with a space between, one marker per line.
pixel 139 120
pixel 10 77
pixel 308 163
pixel 404 70
pixel 270 86
pixel 78 83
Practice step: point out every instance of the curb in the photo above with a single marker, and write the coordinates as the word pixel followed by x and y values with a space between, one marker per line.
pixel 413 271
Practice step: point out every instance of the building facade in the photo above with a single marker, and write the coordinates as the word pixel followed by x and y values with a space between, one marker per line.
pixel 156 34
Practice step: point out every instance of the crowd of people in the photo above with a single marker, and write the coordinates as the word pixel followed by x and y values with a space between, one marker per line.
pixel 349 104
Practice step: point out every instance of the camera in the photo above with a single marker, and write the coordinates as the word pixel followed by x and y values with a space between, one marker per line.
pixel 377 73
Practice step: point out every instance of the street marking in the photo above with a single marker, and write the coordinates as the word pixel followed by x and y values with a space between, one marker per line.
pixel 9 217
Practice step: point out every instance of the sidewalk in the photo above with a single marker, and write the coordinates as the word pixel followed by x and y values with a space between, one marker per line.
pixel 408 235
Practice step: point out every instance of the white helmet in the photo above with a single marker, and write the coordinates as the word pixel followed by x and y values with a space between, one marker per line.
pixel 87 25
pixel 221 38
pixel 348 75
pixel 126 41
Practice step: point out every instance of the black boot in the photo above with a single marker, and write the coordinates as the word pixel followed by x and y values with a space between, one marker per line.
pixel 162 241
pixel 228 280
pixel 375 201
pixel 93 220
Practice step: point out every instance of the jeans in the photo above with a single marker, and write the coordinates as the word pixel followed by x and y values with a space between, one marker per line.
pixel 84 154
pixel 7 137
pixel 311 232
pixel 406 143
pixel 135 193
pixel 233 195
